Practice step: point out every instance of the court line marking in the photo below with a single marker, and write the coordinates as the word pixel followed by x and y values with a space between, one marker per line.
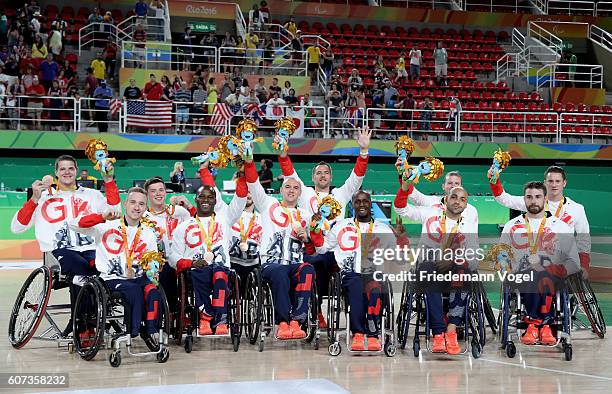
pixel 548 369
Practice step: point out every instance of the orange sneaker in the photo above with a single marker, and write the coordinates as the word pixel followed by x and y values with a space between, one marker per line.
pixel 374 344
pixel 221 329
pixel 358 342
pixel 322 322
pixel 530 337
pixel 204 327
pixel 296 330
pixel 452 346
pixel 284 332
pixel 439 345
pixel 546 336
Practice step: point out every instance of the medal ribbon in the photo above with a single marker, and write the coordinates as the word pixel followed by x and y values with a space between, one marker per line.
pixel 244 236
pixel 129 251
pixel 451 237
pixel 533 244
pixel 364 248
pixel 558 208
pixel 207 238
pixel 299 217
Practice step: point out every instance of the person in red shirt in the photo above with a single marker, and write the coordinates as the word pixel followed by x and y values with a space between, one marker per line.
pixel 140 51
pixel 35 102
pixel 110 59
pixel 152 90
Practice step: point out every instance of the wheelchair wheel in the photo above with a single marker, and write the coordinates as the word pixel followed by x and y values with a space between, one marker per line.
pixel 30 306
pixel 476 319
pixel 588 304
pixel 403 316
pixel 312 320
pixel 89 321
pixel 390 346
pixel 486 307
pixel 234 312
pixel 182 309
pixel 254 300
pixel 334 300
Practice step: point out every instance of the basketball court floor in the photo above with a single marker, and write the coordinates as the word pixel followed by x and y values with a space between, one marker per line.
pixel 293 368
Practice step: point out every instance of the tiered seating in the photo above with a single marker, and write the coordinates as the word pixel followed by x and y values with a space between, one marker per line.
pixel 509 6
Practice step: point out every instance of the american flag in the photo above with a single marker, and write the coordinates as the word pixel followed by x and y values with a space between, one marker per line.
pixel 222 113
pixel 149 114
pixel 115 106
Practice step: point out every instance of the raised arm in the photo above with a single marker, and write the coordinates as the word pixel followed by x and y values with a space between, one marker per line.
pixel 355 180
pixel 22 220
pixel 400 204
pixel 207 179
pixel 236 206
pixel 261 200
pixel 507 200
pixel 112 201
pixel 88 224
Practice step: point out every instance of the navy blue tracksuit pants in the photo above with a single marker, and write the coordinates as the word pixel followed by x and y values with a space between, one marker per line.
pixel 362 292
pixel 208 281
pixel 75 263
pixel 324 265
pixel 538 298
pixel 143 300
pixel 281 279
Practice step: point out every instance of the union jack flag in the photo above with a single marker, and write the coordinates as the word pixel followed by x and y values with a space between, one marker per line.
pixel 254 111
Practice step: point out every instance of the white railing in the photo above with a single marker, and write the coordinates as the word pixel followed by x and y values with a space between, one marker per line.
pixel 570 7
pixel 582 75
pixel 392 121
pixel 155 27
pixel 544 36
pixel 162 56
pixel 322 80
pixel 92 118
pixel 600 36
pixel 603 8
pixel 495 6
pixel 540 5
pixel 241 25
pixel 420 3
pixel 38 113
pixel 252 61
pixel 101 33
pixel 585 125
pixel 518 39
pixel 508 124
pixel 507 66
pixel 343 121
pixel 315 119
pixel 281 38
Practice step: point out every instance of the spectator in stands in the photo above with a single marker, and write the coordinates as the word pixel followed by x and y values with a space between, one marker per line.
pixel 153 89
pixel 3 27
pixel 227 86
pixel 254 18
pixel 264 12
pixel 335 104
pixel 132 92
pixel 291 99
pixel 275 107
pixel 415 63
pixel 140 39
pixel 265 173
pixel 55 42
pixel 141 9
pixel 297 46
pixel 209 40
pixel 260 90
pixel 13 103
pixel 571 70
pixel 55 105
pixel 35 24
pixel 426 110
pixel 389 90
pixel 237 77
pixel 251 99
pixel 48 70
pixel 227 51
pixel 240 52
pixel 99 67
pixel 380 74
pixel 35 103
pixel 86 177
pixel 400 67
pixel 286 89
pixel 274 88
pixel 251 52
pixel 177 175
pixel 95 16
pixel 328 62
pixel 377 104
pixel 60 25
pixel 4 77
pixel 290 26
pixel 268 52
pixel 11 67
pixel 186 50
pixel 199 110
pixel 158 13
pixel 168 91
pixel 182 97
pixel 242 96
pixel 102 94
pixel 64 82
pixel 39 49
pixel 244 87
pixel 336 79
pixel 454 109
pixel 355 82
pixel 110 59
pixel 213 95
pixel 440 61
pixel 91 83
pixel 314 58
pixel 233 100
pixel 408 103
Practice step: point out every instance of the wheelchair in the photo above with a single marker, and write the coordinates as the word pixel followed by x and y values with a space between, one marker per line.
pixel 32 305
pixel 260 313
pixel 188 312
pixel 414 310
pixel 512 311
pixel 584 307
pixel 104 311
pixel 337 303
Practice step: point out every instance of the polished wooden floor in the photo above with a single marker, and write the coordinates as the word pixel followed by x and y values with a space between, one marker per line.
pixel 213 362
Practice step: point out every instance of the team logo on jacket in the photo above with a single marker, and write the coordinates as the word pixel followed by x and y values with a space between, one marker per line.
pixel 193 235
pixel 55 209
pixel 280 218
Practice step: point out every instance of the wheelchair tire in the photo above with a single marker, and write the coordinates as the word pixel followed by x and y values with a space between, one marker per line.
pixel 115 359
pixel 390 349
pixel 334 301
pixel 334 349
pixel 416 348
pixel 188 344
pixel 588 303
pixel 510 349
pixel 254 310
pixel 403 317
pixel 567 350
pixel 88 317
pixel 163 355
pixel 476 349
pixel 235 343
pixel 487 308
pixel 32 299
pixel 312 320
pixel 181 313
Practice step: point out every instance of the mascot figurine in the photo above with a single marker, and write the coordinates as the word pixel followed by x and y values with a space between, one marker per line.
pixel 151 264
pixel 329 209
pixel 284 129
pixel 97 152
pixel 430 168
pixel 228 146
pixel 215 156
pixel 246 133
pixel 501 257
pixel 501 160
pixel 404 147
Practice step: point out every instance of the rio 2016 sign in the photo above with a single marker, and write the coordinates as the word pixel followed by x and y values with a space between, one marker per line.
pixel 203 10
